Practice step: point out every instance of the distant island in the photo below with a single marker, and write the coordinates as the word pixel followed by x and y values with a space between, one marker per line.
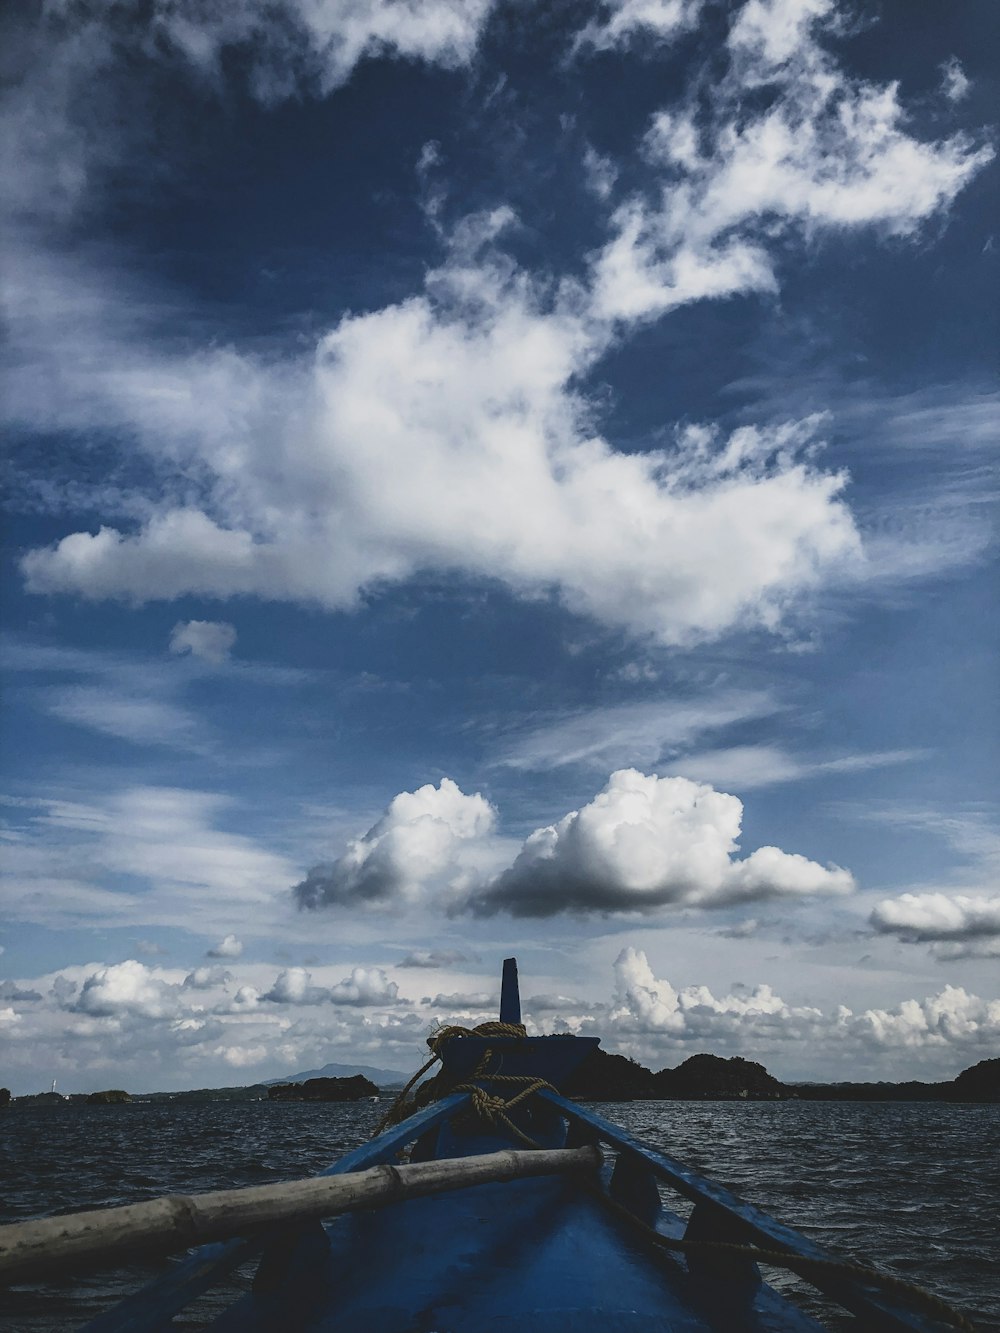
pixel 605 1077
pixel 602 1077
pixel 324 1090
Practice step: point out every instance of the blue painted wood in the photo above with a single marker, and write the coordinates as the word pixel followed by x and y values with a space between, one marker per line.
pixel 528 1255
pixel 534 1255
pixel 391 1141
pixel 550 1058
pixel 751 1225
pixel 155 1305
pixel 510 996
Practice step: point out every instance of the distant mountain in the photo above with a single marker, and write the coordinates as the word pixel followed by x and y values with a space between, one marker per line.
pixel 384 1078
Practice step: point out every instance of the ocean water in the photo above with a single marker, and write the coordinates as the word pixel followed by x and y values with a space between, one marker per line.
pixel 911 1187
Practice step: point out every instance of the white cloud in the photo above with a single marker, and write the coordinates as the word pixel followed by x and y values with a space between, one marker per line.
pixel 62 129
pixel 211 640
pixel 956 925
pixel 127 988
pixel 364 986
pixel 132 717
pixel 825 152
pixel 181 868
pixel 627 22
pixel 230 946
pixel 147 1029
pixel 449 431
pixel 631 733
pixel 445 433
pixel 464 1001
pixel 654 1020
pixel 600 172
pixel 206 978
pixel 747 767
pixel 414 850
pixel 433 958
pixel 937 916
pixel 301 42
pixel 644 843
pixel 955 84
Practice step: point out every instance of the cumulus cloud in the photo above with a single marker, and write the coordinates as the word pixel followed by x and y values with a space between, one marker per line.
pixel 207 978
pixel 415 849
pixel 12 993
pixel 642 844
pixel 433 958
pixel 955 925
pixel 646 842
pixel 463 1001
pixel 152 1030
pixel 228 947
pixel 211 640
pixel 650 1015
pixel 364 986
pixel 128 988
pixel 446 432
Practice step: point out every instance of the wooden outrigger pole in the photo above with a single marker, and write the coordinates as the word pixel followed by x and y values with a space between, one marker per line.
pixel 177 1221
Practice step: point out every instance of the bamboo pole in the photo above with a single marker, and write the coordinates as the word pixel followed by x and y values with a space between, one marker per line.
pixel 177 1221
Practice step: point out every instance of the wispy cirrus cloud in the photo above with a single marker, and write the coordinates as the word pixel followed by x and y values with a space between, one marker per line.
pixel 631 733
pixel 162 849
pixel 747 767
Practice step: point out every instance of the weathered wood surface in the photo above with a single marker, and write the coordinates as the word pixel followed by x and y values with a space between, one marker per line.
pixel 178 1221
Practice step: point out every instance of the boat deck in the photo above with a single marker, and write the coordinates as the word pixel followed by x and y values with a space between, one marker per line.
pixel 537 1254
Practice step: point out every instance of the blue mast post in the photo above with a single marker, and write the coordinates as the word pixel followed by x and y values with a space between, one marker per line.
pixel 510 996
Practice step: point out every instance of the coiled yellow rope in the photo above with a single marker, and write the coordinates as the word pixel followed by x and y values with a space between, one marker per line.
pixel 490 1107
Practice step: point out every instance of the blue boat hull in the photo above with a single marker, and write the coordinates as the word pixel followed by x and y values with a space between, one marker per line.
pixel 578 1253
pixel 538 1254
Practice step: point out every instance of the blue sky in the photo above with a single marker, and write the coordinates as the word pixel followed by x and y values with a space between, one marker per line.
pixel 499 478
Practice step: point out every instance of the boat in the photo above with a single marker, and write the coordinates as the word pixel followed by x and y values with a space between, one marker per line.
pixel 514 1209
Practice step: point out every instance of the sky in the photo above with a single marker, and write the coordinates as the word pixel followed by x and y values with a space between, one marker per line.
pixel 490 478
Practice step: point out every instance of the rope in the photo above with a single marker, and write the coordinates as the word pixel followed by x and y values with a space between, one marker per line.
pixel 492 1109
pixel 922 1300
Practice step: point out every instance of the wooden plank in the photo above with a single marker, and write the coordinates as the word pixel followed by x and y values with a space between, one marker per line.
pixel 158 1301
pixel 104 1236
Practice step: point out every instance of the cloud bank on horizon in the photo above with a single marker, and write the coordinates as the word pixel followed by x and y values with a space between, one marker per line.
pixel 134 1018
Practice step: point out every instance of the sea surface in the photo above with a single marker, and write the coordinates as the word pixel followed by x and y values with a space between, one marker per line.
pixel 912 1187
